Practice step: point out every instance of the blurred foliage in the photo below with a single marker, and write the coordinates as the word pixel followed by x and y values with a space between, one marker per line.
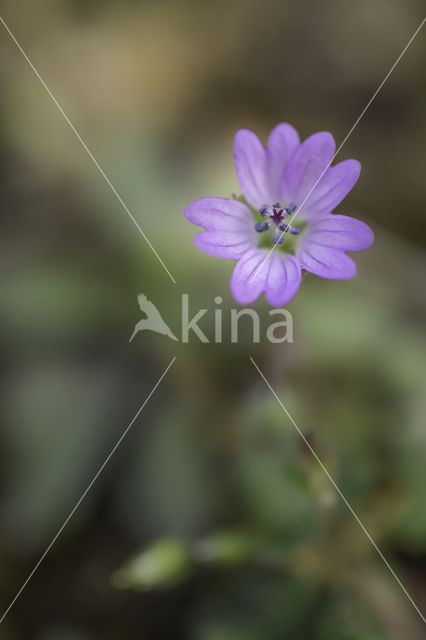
pixel 165 564
pixel 212 521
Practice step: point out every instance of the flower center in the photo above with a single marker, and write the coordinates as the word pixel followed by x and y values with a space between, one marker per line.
pixel 273 220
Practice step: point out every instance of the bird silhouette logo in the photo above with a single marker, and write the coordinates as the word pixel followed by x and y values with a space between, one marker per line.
pixel 153 321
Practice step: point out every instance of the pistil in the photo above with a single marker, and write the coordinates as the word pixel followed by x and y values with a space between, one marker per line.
pixel 276 213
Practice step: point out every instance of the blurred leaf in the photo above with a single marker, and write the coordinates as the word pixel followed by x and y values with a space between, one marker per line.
pixel 165 564
pixel 226 548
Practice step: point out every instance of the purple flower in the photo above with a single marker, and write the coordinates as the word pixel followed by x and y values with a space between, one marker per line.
pixel 276 181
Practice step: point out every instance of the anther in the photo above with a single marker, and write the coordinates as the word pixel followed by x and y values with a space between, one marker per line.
pixel 261 226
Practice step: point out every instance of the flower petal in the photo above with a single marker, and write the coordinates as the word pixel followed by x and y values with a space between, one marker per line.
pixel 283 279
pixel 217 214
pixel 229 226
pixel 224 244
pixel 282 144
pixel 306 166
pixel 326 262
pixel 250 165
pixel 249 276
pixel 260 171
pixel 277 275
pixel 333 187
pixel 340 232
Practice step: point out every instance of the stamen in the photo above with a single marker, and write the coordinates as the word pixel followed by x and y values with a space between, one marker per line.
pixel 261 226
pixel 273 218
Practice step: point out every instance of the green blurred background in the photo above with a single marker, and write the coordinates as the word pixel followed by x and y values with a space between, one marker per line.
pixel 212 521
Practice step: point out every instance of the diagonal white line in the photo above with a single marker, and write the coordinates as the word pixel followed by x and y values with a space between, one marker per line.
pixel 312 450
pixel 345 139
pixel 90 154
pixel 92 482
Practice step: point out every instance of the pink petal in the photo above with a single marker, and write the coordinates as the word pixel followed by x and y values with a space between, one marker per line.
pixel 260 171
pixel 306 166
pixel 283 279
pixel 277 275
pixel 333 187
pixel 224 244
pixel 249 276
pixel 217 214
pixel 325 262
pixel 229 226
pixel 282 143
pixel 340 232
